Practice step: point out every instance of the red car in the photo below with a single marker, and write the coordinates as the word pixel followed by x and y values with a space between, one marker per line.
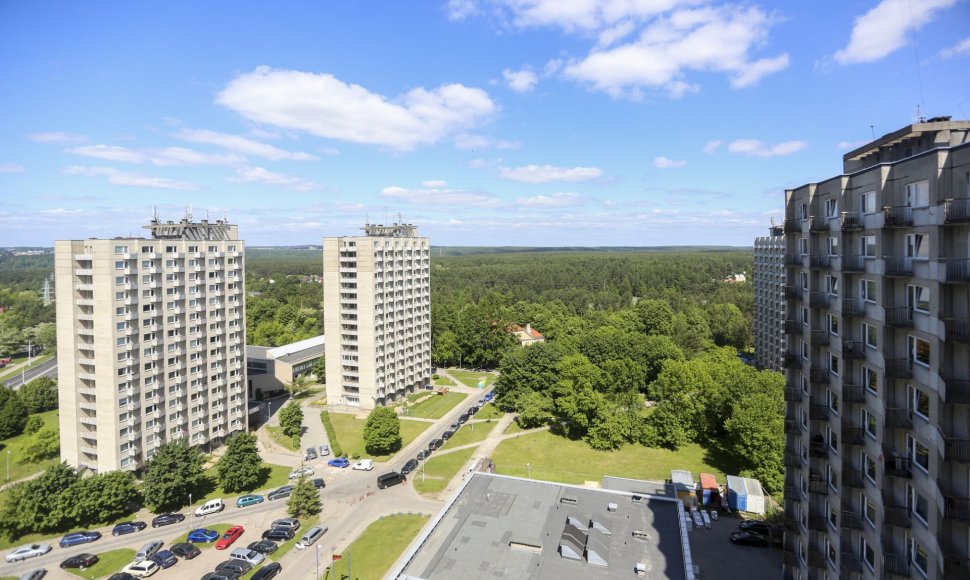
pixel 229 537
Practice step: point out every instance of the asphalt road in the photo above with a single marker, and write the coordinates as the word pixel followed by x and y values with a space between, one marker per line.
pixel 47 369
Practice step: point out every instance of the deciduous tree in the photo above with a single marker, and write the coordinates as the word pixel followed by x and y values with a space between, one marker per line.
pixel 382 432
pixel 44 444
pixel 13 414
pixel 240 467
pixel 291 419
pixel 173 473
pixel 39 395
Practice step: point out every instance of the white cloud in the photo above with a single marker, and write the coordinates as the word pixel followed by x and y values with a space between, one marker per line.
pixel 57 137
pixel 434 183
pixel 11 168
pixel 562 199
pixel 664 163
pixel 846 145
pixel 242 145
pixel 131 179
pixel 325 106
pixel 435 196
pixel 461 9
pixel 574 15
pixel 109 153
pixel 521 81
pixel 547 173
pixel 755 148
pixel 753 73
pixel 484 163
pixel 508 144
pixel 883 29
pixel 467 142
pixel 260 175
pixel 962 47
pixel 183 156
pixel 712 146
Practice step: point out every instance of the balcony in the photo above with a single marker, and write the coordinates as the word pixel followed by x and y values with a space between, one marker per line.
pixel 898 516
pixel 852 477
pixel 956 211
pixel 897 217
pixel 84 271
pixel 793 293
pixel 899 368
pixel 819 338
pixel 792 226
pixel 897 466
pixel 793 326
pixel 794 259
pixel 851 562
pixel 896 266
pixel 793 394
pixel 853 435
pixel 819 299
pixel 818 224
pixel 958 450
pixel 851 520
pixel 818 449
pixel 818 412
pixel 792 360
pixel 957 508
pixel 956 568
pixel 899 418
pixel 899 317
pixel 853 393
pixel 850 221
pixel 853 307
pixel 820 261
pixel 853 263
pixel 853 350
pixel 792 460
pixel 819 376
pixel 957 329
pixel 958 270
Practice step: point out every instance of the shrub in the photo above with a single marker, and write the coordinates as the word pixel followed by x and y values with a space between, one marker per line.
pixel 331 434
pixel 34 424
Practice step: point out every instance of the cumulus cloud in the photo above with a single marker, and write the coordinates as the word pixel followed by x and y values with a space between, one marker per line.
pixel 521 81
pixel 664 163
pixel 434 183
pixel 261 175
pixel 441 196
pixel 131 179
pixel 755 148
pixel 11 168
pixel 548 173
pixel 109 153
pixel 57 137
pixel 960 48
pixel 242 145
pixel 883 29
pixel 712 146
pixel 555 200
pixel 325 106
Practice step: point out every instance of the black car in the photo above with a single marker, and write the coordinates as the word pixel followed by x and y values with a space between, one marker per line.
pixel 279 534
pixel 221 575
pixel 239 567
pixel 319 483
pixel 472 411
pixel 165 558
pixel 410 466
pixel 80 561
pixel 760 527
pixel 447 434
pixel 185 550
pixel 435 444
pixel 167 519
pixel 423 454
pixel 455 426
pixel 122 576
pixel 264 547
pixel 462 418
pixel 747 538
pixel 35 574
pixel 267 572
pixel 128 528
pixel 280 493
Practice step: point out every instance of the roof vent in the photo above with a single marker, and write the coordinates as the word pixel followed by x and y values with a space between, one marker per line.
pixel 640 535
pixel 636 498
pixel 640 569
pixel 595 525
pixel 611 507
pixel 569 500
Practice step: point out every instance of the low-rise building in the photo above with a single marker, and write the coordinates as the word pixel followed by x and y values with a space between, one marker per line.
pixel 271 368
pixel 526 336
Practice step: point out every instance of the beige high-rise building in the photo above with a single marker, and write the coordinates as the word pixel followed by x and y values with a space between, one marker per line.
pixel 151 336
pixel 769 300
pixel 877 452
pixel 377 315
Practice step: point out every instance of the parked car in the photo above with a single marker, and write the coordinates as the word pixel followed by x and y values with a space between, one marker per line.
pixel 447 434
pixel 31 551
pixel 319 483
pixel 324 450
pixel 489 396
pixel 472 410
pixel 185 550
pixel 34 574
pixel 202 535
pixel 305 470
pixel 231 535
pixel 268 571
pixel 128 528
pixel 167 519
pixel 280 493
pixel 142 568
pixel 279 534
pixel 423 454
pixel 247 500
pixel 165 559
pixel 252 556
pixel 291 523
pixel 463 418
pixel 311 536
pixel 213 506
pixel 80 561
pixel 221 575
pixel 364 465
pixel 761 527
pixel 239 567
pixel 389 479
pixel 122 576
pixel 435 444
pixel 410 466
pixel 264 547
pixel 149 550
pixel 311 454
pixel 455 426
pixel 747 538
pixel 339 462
pixel 78 538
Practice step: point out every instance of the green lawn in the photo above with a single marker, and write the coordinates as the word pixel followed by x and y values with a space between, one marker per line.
pixel 350 433
pixel 273 476
pixel 10 373
pixel 373 553
pixel 221 528
pixel 444 382
pixel 108 563
pixel 437 406
pixel 469 433
pixel 276 433
pixel 471 378
pixel 438 471
pixel 555 458
pixel 489 411
pixel 20 470
pixel 514 428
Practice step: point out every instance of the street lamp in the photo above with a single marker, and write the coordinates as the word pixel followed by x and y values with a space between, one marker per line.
pixel 318 561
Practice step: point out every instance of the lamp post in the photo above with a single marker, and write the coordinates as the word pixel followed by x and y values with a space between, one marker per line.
pixel 318 561
pixel 529 467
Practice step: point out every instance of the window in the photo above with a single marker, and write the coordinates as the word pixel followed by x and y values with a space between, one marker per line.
pixel 121 250
pixel 831 207
pixel 919 453
pixel 918 194
pixel 869 335
pixel 834 435
pixel 919 351
pixel 833 477
pixel 917 247
pixel 833 324
pixel 916 502
pixel 803 246
pixel 803 211
pixel 832 246
pixel 833 400
pixel 832 285
pixel 803 277
pixel 834 522
pixel 870 467
pixel 867 290
pixel 869 422
pixel 867 202
pixel 919 556
pixel 834 364
pixel 867 246
pixel 918 298
pixel 869 510
pixel 867 553
pixel 120 265
pixel 804 350
pixel 919 401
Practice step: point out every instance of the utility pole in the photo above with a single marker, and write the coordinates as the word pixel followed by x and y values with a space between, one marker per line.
pixel 23 371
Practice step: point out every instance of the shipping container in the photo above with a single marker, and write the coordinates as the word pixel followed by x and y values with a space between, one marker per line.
pixel 710 494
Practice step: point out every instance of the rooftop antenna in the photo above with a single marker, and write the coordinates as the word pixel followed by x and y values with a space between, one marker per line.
pixel 919 77
pixel 188 212
pixel 872 129
pixel 154 215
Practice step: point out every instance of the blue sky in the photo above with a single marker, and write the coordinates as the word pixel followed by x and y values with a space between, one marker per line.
pixel 484 122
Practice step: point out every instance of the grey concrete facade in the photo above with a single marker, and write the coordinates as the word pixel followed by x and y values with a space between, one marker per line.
pixel 878 369
pixel 769 300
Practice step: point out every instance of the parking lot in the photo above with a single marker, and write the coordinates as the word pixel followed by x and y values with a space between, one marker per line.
pixel 717 557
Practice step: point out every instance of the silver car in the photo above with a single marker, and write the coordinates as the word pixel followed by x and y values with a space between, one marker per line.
pixel 31 551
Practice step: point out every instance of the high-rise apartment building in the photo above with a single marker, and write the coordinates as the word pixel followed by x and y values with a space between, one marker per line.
pixel 377 315
pixel 878 370
pixel 769 300
pixel 151 335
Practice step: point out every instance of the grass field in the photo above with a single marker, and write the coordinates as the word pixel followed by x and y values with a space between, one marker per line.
pixel 108 563
pixel 489 411
pixel 443 382
pixel 514 428
pixel 20 470
pixel 471 378
pixel 437 406
pixel 438 471
pixel 373 553
pixel 350 433
pixel 556 458
pixel 469 433
pixel 276 433
pixel 221 528
pixel 273 476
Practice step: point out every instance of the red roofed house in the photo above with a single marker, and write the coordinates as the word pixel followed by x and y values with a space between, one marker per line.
pixel 527 335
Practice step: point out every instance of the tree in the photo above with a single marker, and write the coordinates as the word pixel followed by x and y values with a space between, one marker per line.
pixel 44 444
pixel 34 424
pixel 173 473
pixel 32 506
pixel 291 419
pixel 11 339
pixel 13 414
pixel 656 317
pixel 382 432
pixel 534 368
pixel 99 498
pixel 691 331
pixel 305 500
pixel 299 385
pixel 45 336
pixel 446 349
pixel 39 395
pixel 755 434
pixel 320 369
pixel 534 409
pixel 240 467
pixel 728 325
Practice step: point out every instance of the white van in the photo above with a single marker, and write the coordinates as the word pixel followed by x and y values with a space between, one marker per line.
pixel 311 536
pixel 213 506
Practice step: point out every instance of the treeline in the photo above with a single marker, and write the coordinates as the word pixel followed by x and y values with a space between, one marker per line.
pixel 25 272
pixel 282 310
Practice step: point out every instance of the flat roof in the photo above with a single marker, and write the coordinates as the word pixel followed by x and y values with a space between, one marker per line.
pixel 508 527
pixel 289 353
pixel 296 347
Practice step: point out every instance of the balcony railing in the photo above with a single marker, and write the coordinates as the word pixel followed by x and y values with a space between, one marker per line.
pixel 852 477
pixel 793 292
pixel 899 368
pixel 793 394
pixel 957 391
pixel 897 217
pixel 898 516
pixel 818 224
pixel 792 460
pixel 853 393
pixel 957 329
pixel 793 226
pixel 819 299
pixel 897 466
pixel 851 221
pixel 896 266
pixel 818 412
pixel 958 450
pixel 820 338
pixel 819 376
pixel 896 564
pixel 853 350
pixel 957 508
pixel 956 211
pixel 792 360
pixel 820 261
pixel 851 520
pixel 958 270
pixel 853 436
pixel 954 568
pixel 818 449
pixel 899 418
pixel 853 307
pixel 899 317
pixel 853 263
pixel 793 326
pixel 794 259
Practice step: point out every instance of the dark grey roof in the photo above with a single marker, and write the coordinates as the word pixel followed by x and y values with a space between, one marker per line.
pixel 303 355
